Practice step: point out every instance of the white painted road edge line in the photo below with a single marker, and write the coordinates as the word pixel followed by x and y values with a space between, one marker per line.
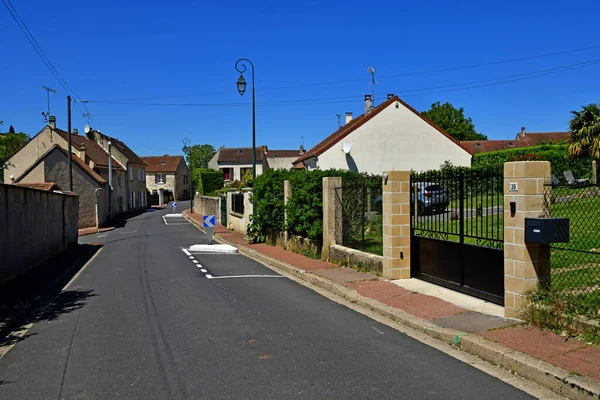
pixel 164 219
pixel 244 276
pixel 187 253
pixel 209 276
pixel 195 261
pixel 202 270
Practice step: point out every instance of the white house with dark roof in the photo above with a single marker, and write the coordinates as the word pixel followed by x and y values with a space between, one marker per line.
pixel 390 136
pixel 234 162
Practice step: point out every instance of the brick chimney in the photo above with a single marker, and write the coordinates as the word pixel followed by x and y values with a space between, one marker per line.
pixel 301 150
pixel 523 131
pixel 348 116
pixel 390 95
pixel 82 152
pixel 75 131
pixel 52 122
pixel 368 103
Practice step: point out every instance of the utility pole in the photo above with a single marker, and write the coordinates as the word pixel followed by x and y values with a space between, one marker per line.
pixel 47 114
pixel 70 144
pixel 338 117
pixel 110 179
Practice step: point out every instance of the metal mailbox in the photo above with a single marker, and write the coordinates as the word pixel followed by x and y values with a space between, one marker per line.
pixel 546 230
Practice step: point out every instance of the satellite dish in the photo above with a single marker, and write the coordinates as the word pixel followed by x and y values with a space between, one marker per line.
pixel 371 70
pixel 347 147
pixel 87 129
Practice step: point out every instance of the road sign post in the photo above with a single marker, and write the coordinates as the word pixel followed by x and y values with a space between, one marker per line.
pixel 174 205
pixel 209 226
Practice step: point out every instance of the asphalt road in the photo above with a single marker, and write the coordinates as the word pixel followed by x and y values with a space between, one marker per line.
pixel 143 321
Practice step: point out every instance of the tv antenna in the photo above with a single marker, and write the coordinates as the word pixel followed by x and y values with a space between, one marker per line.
pixel 338 117
pixel 47 114
pixel 372 72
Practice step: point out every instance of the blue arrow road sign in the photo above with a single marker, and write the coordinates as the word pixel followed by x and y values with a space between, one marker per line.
pixel 209 221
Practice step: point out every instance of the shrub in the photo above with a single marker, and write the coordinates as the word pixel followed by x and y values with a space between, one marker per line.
pixel 208 181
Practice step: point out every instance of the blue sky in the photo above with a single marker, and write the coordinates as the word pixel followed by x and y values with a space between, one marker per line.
pixel 113 50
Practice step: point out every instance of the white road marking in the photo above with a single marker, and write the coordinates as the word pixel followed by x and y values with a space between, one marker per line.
pixel 187 253
pixel 377 330
pixel 174 215
pixel 209 276
pixel 191 257
pixel 244 276
pixel 195 261
pixel 203 271
pixel 164 219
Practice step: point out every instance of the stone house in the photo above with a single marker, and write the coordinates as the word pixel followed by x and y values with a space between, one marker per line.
pixel 135 171
pixel 234 162
pixel 52 168
pixel 390 136
pixel 167 177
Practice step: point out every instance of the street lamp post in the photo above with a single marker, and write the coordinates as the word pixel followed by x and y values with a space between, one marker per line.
pixel 240 66
pixel 188 143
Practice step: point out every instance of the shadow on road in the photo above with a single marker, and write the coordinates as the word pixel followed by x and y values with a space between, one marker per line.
pixel 38 296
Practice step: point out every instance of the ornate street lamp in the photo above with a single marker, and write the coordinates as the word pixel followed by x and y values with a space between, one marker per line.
pixel 240 67
pixel 188 143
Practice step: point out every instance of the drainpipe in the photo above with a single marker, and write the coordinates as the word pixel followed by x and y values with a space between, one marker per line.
pixel 97 217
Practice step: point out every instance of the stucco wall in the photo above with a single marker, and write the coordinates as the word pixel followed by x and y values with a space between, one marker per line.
pixel 281 162
pixel 32 151
pixel 208 205
pixel 395 139
pixel 36 226
pixel 137 187
pixel 238 222
pixel 180 186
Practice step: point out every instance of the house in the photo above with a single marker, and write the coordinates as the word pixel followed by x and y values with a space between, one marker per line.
pixel 523 139
pixel 51 172
pixel 234 162
pixel 135 181
pixel 167 176
pixel 390 136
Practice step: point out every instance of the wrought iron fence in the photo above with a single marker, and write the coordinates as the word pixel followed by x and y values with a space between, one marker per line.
pixel 575 266
pixel 360 206
pixel 461 205
pixel 237 203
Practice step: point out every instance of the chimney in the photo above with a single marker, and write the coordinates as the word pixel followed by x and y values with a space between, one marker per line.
pixel 82 152
pixel 348 116
pixel 523 131
pixel 75 131
pixel 301 150
pixel 368 103
pixel 390 95
pixel 52 122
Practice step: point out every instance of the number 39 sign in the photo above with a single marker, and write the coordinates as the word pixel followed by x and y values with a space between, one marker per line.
pixel 513 186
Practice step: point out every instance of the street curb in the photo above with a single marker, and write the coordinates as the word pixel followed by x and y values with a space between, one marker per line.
pixel 99 230
pixel 541 372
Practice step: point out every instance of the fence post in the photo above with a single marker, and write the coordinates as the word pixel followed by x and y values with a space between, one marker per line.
pixel 396 225
pixel 525 265
pixel 332 221
pixel 287 193
pixel 594 172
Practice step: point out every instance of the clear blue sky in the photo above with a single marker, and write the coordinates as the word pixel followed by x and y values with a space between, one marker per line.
pixel 114 50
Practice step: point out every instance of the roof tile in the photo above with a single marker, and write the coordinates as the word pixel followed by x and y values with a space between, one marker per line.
pixel 164 163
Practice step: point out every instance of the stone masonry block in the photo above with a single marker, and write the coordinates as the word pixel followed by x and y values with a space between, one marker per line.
pixel 398 175
pixel 519 285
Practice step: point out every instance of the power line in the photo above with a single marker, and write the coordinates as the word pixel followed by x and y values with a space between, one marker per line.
pixel 343 99
pixel 468 66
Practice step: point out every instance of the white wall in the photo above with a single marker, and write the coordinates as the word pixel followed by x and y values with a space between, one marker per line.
pixel 395 139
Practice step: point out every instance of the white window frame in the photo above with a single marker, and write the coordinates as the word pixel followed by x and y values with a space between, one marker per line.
pixel 162 179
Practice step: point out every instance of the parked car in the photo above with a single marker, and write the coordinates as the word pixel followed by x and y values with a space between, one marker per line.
pixel 431 197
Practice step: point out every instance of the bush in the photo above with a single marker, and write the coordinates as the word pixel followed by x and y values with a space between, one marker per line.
pixel 557 154
pixel 208 181
pixel 304 208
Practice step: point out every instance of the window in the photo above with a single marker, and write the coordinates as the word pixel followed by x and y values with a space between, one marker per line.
pixel 130 174
pixel 237 203
pixel 185 179
pixel 139 175
pixel 160 179
pixel 227 173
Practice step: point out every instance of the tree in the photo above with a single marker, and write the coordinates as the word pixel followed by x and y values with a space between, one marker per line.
pixel 453 121
pixel 198 155
pixel 10 143
pixel 585 132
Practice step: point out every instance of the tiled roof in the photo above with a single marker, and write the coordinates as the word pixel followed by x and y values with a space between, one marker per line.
pixel 535 138
pixel 40 186
pixel 240 154
pixel 124 149
pixel 485 146
pixel 359 121
pixel 282 153
pixel 93 150
pixel 164 163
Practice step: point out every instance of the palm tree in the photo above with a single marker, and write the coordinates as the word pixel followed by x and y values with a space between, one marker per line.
pixel 585 132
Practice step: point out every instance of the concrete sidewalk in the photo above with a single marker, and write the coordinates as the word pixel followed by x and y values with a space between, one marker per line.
pixel 565 365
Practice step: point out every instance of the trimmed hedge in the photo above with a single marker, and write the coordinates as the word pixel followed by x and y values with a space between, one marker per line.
pixel 208 181
pixel 557 154
pixel 304 208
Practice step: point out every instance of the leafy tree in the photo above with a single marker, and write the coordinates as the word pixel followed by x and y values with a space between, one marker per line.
pixel 10 143
pixel 453 121
pixel 198 155
pixel 585 132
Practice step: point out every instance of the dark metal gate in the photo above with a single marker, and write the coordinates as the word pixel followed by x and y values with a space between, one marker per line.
pixel 224 211
pixel 457 228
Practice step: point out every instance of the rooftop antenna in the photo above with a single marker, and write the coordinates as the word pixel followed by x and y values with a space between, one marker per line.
pixel 372 72
pixel 47 114
pixel 338 117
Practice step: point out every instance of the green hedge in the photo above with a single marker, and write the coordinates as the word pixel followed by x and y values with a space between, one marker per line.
pixel 208 181
pixel 304 208
pixel 557 154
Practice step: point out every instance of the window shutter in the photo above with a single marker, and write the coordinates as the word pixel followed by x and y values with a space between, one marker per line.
pixel 156 178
